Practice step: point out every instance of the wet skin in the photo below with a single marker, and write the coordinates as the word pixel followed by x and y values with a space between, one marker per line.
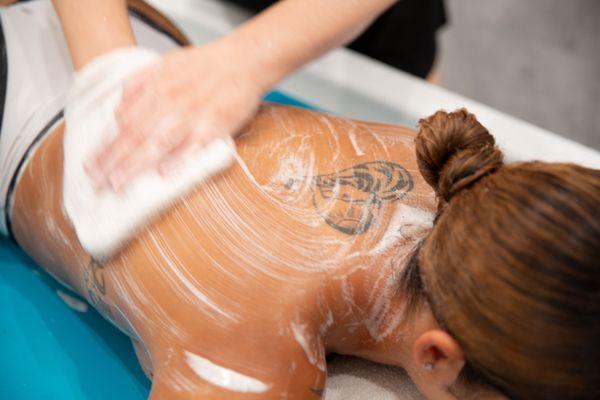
pixel 293 252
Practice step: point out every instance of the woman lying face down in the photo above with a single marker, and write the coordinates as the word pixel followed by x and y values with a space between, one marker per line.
pixel 321 239
pixel 242 287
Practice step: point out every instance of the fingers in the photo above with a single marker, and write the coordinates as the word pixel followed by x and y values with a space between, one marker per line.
pixel 147 154
pixel 162 142
pixel 133 131
pixel 170 111
pixel 210 129
pixel 113 151
pixel 136 85
pixel 111 156
pixel 176 157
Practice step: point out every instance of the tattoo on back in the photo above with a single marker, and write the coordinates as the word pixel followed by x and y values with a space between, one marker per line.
pixel 93 276
pixel 348 200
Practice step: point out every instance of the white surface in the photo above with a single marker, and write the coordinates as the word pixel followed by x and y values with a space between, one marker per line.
pixel 105 220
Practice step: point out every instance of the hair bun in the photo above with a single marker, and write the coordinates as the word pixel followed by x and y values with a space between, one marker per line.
pixel 454 151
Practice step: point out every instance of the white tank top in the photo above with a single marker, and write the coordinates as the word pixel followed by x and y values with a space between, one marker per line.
pixel 39 73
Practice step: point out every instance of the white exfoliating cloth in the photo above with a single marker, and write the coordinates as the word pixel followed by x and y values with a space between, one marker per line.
pixel 105 220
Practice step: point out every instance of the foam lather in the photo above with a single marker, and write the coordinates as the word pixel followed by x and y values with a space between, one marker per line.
pixel 104 221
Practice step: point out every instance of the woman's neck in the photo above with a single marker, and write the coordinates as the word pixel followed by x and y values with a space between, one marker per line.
pixel 367 311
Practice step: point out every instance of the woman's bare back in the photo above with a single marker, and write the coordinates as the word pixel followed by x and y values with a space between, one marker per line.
pixel 292 252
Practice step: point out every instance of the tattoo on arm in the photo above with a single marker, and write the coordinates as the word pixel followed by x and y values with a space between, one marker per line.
pixel 318 392
pixel 348 200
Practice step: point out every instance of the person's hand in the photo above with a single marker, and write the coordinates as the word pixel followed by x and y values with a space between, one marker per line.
pixel 175 107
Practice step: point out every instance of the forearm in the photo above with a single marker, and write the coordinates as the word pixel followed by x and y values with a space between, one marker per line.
pixel 294 32
pixel 93 27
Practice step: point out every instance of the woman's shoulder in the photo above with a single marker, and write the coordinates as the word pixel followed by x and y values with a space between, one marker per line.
pixel 306 143
pixel 334 177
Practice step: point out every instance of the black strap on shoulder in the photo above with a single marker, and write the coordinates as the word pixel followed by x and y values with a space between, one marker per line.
pixel 13 181
pixel 3 74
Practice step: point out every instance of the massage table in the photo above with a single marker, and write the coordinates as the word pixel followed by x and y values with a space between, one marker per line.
pixel 53 346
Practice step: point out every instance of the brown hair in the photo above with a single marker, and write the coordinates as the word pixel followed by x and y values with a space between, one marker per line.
pixel 511 267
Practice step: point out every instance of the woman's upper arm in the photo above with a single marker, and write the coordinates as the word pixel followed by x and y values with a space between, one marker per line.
pixel 93 27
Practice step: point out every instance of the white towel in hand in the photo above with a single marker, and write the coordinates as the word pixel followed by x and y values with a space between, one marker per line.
pixel 105 221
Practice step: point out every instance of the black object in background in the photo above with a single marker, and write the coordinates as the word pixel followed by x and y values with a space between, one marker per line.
pixel 403 37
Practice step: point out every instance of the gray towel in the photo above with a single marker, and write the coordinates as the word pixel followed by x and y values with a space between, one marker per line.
pixel 356 379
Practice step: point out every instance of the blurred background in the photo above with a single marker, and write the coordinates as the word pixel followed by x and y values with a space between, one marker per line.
pixel 538 60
